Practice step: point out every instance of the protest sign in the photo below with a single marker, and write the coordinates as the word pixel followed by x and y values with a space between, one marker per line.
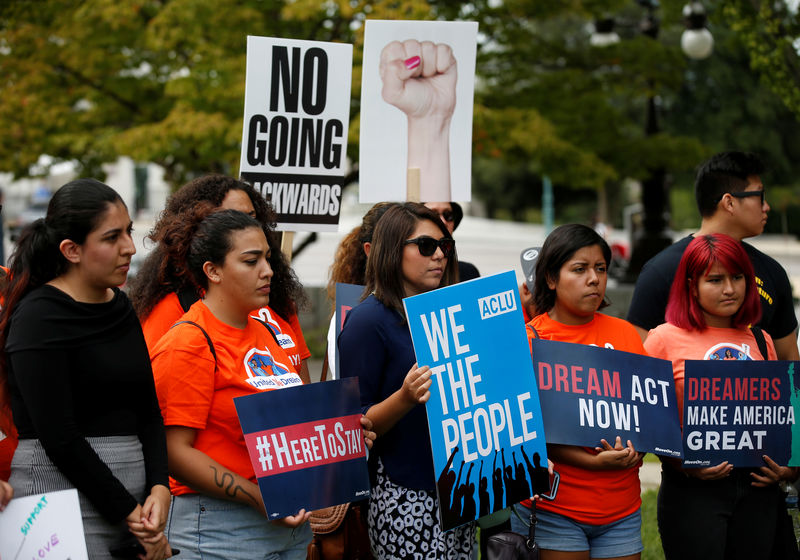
pixel 43 526
pixel 347 297
pixel 590 393
pixel 422 122
pixel 483 415
pixel 739 411
pixel 306 445
pixel 294 138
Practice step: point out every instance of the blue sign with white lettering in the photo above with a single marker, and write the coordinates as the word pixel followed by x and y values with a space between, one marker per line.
pixel 483 415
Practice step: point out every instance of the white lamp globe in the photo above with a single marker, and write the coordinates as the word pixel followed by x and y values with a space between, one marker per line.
pixel 697 43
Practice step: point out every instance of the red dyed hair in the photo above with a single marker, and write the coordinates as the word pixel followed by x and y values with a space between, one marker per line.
pixel 683 309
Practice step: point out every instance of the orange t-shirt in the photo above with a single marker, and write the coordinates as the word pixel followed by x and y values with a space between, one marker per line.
pixel 167 311
pixel 588 496
pixel 196 392
pixel 677 345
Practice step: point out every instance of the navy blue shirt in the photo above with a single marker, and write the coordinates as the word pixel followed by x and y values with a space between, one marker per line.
pixel 375 346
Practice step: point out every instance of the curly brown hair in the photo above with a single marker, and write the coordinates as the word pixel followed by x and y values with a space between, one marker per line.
pixel 161 275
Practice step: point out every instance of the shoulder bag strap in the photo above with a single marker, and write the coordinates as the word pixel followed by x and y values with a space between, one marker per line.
pixel 205 334
pixel 760 341
pixel 266 325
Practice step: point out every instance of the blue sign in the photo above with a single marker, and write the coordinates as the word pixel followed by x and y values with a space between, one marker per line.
pixel 306 445
pixel 590 393
pixel 347 297
pixel 739 411
pixel 483 415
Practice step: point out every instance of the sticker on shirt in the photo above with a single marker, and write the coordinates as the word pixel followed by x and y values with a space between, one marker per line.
pixel 264 372
pixel 728 351
pixel 284 340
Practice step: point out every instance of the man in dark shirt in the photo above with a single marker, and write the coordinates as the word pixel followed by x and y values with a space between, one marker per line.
pixel 451 214
pixel 731 200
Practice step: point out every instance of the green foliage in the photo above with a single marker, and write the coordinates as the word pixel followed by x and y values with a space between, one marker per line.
pixel 650 536
pixel 769 31
pixel 163 81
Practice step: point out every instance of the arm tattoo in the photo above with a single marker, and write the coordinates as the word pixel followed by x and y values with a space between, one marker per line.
pixel 225 481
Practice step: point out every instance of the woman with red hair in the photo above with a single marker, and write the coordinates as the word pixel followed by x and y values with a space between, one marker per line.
pixel 721 511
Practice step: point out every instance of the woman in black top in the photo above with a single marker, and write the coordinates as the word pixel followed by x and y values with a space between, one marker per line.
pixel 78 373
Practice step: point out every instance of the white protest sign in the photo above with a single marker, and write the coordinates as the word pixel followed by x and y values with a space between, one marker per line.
pixel 294 138
pixel 43 526
pixel 417 91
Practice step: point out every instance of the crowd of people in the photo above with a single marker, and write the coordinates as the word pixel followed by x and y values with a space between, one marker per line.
pixel 127 395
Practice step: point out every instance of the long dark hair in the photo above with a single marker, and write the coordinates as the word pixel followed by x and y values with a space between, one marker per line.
pixel 203 234
pixel 558 248
pixel 384 275
pixel 161 274
pixel 74 211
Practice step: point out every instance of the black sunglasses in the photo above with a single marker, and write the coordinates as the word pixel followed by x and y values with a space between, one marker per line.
pixel 447 216
pixel 745 194
pixel 427 245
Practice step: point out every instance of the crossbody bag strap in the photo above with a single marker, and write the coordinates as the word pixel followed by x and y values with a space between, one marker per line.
pixel 205 334
pixel 760 341
pixel 269 328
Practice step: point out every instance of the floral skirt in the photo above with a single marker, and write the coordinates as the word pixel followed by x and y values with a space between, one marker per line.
pixel 404 523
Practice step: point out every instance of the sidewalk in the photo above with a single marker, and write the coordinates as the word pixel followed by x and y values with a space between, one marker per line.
pixel 650 476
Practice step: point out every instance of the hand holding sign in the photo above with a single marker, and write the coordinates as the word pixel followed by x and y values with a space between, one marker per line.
pixel 617 456
pixel 417 384
pixel 6 493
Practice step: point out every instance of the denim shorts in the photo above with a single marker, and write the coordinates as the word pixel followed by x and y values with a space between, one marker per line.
pixel 558 532
pixel 204 528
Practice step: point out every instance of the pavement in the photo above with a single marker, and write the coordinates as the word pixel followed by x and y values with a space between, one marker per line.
pixel 650 476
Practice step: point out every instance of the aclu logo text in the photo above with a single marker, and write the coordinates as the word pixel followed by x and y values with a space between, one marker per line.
pixel 497 304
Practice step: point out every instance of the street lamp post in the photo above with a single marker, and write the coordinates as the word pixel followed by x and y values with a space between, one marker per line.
pixel 697 43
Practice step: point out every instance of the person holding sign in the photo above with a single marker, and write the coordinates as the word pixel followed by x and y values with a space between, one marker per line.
pixel 216 352
pixel 712 512
pixel 162 291
pixel 595 509
pixel 411 253
pixel 78 374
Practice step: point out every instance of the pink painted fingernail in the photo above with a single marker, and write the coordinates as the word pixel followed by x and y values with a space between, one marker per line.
pixel 412 62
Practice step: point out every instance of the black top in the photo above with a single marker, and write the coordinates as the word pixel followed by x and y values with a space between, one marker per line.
pixel 79 370
pixel 649 302
pixel 467 271
pixel 375 346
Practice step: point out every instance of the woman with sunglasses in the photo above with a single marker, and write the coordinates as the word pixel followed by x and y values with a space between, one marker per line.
pixel 595 512
pixel 162 291
pixel 719 511
pixel 411 253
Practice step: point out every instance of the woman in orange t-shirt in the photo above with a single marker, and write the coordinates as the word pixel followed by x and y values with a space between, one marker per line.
pixel 162 290
pixel 215 353
pixel 595 512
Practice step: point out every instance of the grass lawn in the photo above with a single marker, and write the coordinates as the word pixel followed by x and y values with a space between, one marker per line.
pixel 652 542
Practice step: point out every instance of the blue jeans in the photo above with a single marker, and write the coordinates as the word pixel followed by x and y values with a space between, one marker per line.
pixel 205 528
pixel 558 532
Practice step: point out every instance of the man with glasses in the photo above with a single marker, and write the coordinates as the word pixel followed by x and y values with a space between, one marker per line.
pixel 451 214
pixel 731 200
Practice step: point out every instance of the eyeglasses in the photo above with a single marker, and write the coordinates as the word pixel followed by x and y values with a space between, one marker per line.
pixel 745 194
pixel 427 245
